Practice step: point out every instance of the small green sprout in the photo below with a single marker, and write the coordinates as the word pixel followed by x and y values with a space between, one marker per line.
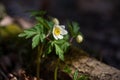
pixel 75 74
pixel 82 77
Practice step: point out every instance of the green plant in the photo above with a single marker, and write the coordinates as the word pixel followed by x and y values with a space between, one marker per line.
pixel 49 36
pixel 75 74
pixel 82 77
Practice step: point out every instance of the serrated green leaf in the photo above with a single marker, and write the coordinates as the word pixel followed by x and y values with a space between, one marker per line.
pixel 58 49
pixel 70 28
pixel 65 46
pixel 40 31
pixel 22 35
pixel 29 35
pixel 61 56
pixel 49 50
pixel 31 29
pixel 42 37
pixel 49 24
pixel 35 41
pixel 39 28
pixel 59 52
pixel 61 41
pixel 42 22
pixel 75 27
pixel 40 19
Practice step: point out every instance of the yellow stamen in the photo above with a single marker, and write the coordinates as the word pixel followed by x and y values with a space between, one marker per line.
pixel 57 31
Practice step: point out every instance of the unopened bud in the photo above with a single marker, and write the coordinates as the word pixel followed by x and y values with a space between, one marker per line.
pixel 55 20
pixel 79 38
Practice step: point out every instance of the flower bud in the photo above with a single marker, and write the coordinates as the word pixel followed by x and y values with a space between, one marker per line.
pixel 55 20
pixel 79 38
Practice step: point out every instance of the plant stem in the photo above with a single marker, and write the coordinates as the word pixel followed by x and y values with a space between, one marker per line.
pixel 71 39
pixel 40 49
pixel 56 69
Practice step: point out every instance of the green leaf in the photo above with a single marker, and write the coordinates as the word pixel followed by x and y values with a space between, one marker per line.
pixel 35 41
pixel 29 33
pixel 61 56
pixel 49 24
pixel 49 50
pixel 37 13
pixel 40 31
pixel 58 49
pixel 22 35
pixel 52 43
pixel 83 77
pixel 59 42
pixel 75 27
pixel 49 47
pixel 40 19
pixel 59 52
pixel 66 37
pixel 39 28
pixel 43 22
pixel 65 46
pixel 70 28
pixel 75 75
pixel 67 70
pixel 42 37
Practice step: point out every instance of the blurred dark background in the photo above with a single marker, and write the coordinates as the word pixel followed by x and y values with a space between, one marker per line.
pixel 99 22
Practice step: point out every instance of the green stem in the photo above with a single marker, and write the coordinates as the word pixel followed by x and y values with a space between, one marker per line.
pixel 56 70
pixel 40 49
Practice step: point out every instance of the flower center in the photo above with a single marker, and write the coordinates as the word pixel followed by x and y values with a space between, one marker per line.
pixel 57 31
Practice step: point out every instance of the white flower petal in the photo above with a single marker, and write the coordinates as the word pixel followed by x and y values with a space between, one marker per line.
pixel 62 26
pixel 63 32
pixel 59 31
pixel 60 37
pixel 55 37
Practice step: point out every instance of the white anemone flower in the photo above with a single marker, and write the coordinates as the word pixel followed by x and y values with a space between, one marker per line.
pixel 59 31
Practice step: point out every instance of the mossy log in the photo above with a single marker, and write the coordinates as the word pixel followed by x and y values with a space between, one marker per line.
pixel 77 59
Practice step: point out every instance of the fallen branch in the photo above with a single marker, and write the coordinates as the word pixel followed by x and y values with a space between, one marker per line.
pixel 79 60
